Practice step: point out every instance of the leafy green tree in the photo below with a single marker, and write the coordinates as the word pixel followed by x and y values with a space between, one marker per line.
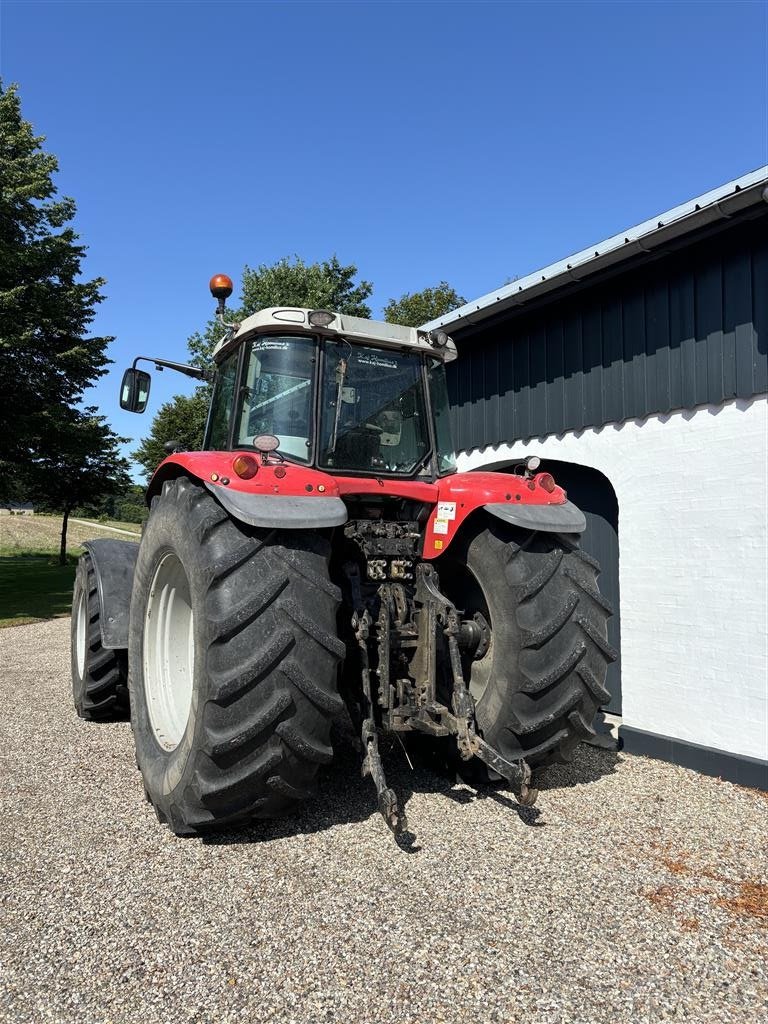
pixel 181 419
pixel 416 308
pixel 78 466
pixel 46 358
pixel 127 505
pixel 130 507
pixel 324 285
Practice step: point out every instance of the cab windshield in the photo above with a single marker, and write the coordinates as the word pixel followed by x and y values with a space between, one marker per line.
pixel 373 415
pixel 277 394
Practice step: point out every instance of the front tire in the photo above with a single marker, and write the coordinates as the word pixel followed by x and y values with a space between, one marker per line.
pixel 541 679
pixel 233 660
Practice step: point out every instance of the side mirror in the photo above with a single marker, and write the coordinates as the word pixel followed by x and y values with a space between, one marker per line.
pixel 134 391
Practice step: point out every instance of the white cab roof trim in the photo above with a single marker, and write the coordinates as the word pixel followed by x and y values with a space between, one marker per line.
pixel 652 234
pixel 293 320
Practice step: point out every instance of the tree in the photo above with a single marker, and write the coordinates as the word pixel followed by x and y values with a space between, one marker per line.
pixel 129 506
pixel 46 359
pixel 182 419
pixel 77 466
pixel 323 285
pixel 416 308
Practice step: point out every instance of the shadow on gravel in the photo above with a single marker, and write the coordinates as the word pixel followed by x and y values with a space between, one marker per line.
pixel 589 764
pixel 346 798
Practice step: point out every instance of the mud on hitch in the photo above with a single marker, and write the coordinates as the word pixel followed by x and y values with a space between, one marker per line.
pixel 409 640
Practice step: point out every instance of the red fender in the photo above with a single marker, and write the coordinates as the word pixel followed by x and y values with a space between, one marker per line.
pixel 216 469
pixel 453 497
pixel 458 496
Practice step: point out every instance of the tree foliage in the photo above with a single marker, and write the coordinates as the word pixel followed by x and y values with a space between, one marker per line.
pixel 46 358
pixel 129 506
pixel 126 504
pixel 416 308
pixel 77 466
pixel 288 282
pixel 181 419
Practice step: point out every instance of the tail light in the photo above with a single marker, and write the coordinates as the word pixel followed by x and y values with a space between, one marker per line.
pixel 245 466
pixel 547 481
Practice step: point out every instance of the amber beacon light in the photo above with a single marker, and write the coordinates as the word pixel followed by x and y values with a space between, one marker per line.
pixel 221 288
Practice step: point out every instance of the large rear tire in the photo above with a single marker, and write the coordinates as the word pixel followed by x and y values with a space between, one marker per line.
pixel 539 684
pixel 233 658
pixel 99 684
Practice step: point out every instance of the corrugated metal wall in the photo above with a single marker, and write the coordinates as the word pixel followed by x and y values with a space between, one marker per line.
pixel 689 329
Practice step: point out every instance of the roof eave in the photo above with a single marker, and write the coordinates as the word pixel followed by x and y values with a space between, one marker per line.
pixel 719 204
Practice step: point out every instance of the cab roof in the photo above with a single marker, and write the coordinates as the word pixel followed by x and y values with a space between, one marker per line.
pixel 293 320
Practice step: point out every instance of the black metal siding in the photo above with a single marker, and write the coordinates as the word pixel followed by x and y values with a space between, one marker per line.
pixel 688 329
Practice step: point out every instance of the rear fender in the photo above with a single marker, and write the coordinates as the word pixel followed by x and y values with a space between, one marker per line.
pixel 279 495
pixel 515 499
pixel 114 562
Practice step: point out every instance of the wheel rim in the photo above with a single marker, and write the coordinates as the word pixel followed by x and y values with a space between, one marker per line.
pixel 81 632
pixel 169 652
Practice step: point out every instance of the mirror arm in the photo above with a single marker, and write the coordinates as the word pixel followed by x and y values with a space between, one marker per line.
pixel 185 368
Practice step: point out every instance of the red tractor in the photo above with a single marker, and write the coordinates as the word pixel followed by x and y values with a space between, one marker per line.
pixel 322 551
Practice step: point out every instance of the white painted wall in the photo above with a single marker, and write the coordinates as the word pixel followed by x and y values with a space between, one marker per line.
pixel 693 542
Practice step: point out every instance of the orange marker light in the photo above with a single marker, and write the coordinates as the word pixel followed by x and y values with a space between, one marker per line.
pixel 245 466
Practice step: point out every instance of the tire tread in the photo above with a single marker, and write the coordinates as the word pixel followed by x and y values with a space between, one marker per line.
pixel 101 694
pixel 271 663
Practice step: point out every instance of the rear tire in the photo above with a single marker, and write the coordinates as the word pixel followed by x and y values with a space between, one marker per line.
pixel 539 685
pixel 251 685
pixel 99 684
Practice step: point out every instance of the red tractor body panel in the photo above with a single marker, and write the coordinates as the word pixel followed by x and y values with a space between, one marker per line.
pixel 453 497
pixel 216 467
pixel 462 493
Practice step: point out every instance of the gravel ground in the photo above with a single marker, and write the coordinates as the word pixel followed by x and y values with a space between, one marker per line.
pixel 635 891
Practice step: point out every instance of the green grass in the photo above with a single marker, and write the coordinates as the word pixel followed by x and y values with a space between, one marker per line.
pixel 130 527
pixel 32 587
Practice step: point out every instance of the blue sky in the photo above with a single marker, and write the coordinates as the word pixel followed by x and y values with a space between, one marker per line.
pixel 471 142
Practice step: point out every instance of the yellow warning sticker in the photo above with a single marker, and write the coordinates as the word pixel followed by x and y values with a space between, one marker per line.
pixel 438 545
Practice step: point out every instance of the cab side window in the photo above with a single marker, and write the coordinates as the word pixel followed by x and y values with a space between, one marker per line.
pixel 221 405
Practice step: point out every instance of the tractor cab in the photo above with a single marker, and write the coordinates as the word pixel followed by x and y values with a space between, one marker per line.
pixel 340 393
pixel 333 401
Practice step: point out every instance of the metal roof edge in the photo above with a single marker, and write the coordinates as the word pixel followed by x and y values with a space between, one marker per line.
pixel 718 203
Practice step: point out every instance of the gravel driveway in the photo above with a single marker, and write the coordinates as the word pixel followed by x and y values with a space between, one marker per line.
pixel 635 891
